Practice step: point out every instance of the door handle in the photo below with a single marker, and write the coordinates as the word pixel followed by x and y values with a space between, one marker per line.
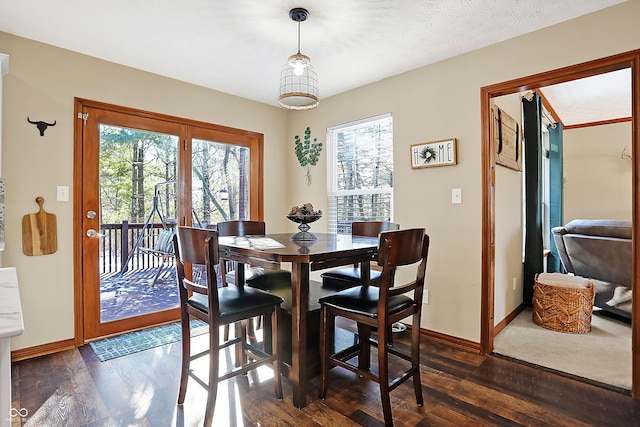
pixel 93 233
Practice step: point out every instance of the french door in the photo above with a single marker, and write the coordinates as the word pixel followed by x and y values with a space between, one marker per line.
pixel 138 176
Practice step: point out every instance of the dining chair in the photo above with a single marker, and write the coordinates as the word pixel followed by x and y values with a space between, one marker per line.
pixel 347 277
pixel 228 268
pixel 217 307
pixel 239 228
pixel 379 307
pixel 255 277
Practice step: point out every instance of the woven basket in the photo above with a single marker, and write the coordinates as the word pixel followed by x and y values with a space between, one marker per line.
pixel 563 303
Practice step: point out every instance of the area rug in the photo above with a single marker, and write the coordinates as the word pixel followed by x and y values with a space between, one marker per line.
pixel 602 355
pixel 133 342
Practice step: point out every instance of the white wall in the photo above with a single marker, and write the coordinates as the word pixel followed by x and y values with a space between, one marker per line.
pixel 597 180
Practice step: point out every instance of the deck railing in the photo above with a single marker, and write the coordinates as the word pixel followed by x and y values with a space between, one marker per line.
pixel 117 236
pixel 118 240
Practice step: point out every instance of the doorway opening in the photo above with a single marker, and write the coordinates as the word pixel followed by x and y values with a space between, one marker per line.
pixel 617 62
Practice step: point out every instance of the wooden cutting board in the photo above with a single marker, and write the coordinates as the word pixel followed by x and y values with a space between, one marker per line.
pixel 39 234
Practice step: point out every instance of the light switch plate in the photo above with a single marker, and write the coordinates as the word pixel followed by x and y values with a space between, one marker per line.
pixel 456 195
pixel 63 193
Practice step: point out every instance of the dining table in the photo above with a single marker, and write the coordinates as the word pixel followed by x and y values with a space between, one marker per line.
pixel 324 251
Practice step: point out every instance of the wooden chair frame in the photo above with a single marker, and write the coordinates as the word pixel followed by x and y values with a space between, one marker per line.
pixel 200 246
pixel 396 248
pixel 368 229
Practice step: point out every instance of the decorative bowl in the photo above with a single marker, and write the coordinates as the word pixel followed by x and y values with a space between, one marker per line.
pixel 304 221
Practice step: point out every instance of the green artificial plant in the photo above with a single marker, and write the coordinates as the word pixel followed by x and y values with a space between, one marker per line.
pixel 308 152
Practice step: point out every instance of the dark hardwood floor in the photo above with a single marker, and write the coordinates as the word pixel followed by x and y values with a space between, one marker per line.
pixel 461 388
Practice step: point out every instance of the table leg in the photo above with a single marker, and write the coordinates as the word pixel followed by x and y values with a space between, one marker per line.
pixel 299 306
pixel 241 357
pixel 364 332
pixel 365 272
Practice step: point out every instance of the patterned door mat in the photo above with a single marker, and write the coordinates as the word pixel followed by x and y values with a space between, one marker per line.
pixel 133 342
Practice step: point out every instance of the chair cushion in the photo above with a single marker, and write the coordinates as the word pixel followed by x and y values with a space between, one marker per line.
pixel 271 280
pixel 237 303
pixel 364 300
pixel 249 272
pixel 165 242
pixel 347 277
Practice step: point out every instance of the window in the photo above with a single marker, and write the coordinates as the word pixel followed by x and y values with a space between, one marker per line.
pixel 360 172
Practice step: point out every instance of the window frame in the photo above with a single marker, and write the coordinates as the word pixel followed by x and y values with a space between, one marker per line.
pixel 332 173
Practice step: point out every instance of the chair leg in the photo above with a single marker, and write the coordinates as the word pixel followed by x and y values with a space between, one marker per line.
pixel 326 319
pixel 383 369
pixel 214 360
pixel 251 331
pixel 364 357
pixel 415 358
pixel 267 334
pixel 186 357
pixel 241 355
pixel 276 347
pixel 221 271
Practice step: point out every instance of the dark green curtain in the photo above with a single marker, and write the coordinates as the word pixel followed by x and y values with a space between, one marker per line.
pixel 533 247
pixel 556 210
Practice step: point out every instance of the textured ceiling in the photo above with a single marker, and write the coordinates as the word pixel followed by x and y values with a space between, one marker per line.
pixel 240 46
pixel 592 99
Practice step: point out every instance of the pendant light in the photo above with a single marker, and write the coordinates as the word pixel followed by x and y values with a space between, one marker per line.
pixel 298 79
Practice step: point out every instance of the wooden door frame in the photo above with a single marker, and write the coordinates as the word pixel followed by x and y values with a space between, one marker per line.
pixel 232 135
pixel 612 63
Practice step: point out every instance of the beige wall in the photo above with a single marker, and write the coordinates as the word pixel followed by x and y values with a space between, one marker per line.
pixel 508 238
pixel 42 83
pixel 597 180
pixel 442 101
pixel 435 102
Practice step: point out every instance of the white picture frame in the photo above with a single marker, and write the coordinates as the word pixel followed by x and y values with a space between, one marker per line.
pixel 434 153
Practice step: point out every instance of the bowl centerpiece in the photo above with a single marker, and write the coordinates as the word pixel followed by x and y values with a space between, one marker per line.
pixel 304 215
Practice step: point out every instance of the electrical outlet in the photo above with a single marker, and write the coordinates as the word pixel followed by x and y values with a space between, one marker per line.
pixel 515 283
pixel 425 296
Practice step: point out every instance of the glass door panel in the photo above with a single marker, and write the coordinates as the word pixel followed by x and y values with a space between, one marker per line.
pixel 138 215
pixel 219 182
pixel 140 175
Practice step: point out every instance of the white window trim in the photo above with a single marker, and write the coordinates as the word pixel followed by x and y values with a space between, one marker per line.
pixel 332 164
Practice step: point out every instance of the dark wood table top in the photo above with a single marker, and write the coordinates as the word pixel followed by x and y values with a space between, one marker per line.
pixel 327 251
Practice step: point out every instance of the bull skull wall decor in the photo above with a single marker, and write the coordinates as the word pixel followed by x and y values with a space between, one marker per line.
pixel 42 126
